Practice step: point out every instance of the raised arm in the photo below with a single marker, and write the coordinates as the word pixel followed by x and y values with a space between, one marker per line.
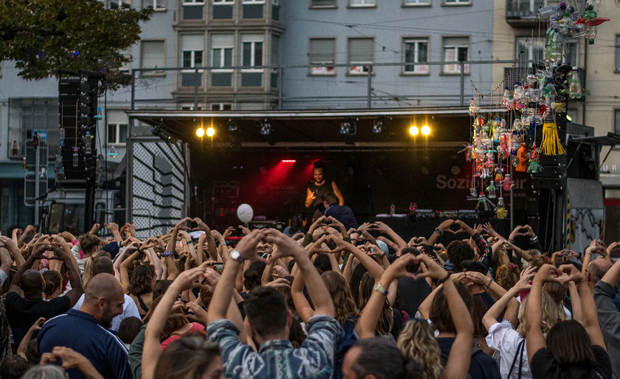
pixel 135 254
pixel 371 265
pixel 113 227
pixel 590 318
pixel 383 228
pixel 246 249
pixel 152 346
pixel 534 338
pixel 74 276
pixel 211 247
pixel 490 318
pixel 367 323
pixel 317 290
pixel 169 253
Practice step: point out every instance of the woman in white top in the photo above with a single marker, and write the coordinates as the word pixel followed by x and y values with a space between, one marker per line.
pixel 510 342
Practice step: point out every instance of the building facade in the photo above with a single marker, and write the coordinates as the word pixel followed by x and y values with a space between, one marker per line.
pixel 271 54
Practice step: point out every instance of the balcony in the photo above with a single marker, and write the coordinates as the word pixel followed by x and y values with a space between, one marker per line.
pixel 523 12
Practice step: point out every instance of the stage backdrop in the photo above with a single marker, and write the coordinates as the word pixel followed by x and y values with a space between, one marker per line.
pixel 274 183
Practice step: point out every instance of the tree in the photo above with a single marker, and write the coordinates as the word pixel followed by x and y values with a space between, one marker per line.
pixel 45 37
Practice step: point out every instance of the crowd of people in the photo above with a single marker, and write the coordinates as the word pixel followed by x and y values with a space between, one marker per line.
pixel 322 301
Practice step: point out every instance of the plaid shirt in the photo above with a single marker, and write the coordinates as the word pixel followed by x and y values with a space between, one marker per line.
pixel 277 358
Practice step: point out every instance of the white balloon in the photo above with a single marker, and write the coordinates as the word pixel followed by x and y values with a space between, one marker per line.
pixel 245 213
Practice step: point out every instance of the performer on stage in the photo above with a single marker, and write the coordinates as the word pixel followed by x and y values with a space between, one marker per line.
pixel 318 188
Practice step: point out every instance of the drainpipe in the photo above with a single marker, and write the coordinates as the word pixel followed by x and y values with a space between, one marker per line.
pixel 584 85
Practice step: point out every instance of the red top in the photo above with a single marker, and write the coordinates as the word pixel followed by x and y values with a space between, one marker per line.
pixel 196 327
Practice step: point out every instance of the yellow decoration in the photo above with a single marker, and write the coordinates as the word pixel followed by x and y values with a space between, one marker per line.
pixel 550 141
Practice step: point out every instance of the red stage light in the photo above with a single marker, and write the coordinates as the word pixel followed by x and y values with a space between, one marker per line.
pixel 289 160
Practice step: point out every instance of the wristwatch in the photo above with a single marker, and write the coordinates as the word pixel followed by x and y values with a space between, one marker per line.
pixel 236 256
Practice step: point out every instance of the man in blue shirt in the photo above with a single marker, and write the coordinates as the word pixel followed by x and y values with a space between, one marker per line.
pixel 341 213
pixel 85 331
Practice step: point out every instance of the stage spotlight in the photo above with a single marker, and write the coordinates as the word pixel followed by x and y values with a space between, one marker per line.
pixel 265 129
pixel 426 130
pixel 345 127
pixel 377 126
pixel 414 130
pixel 210 131
pixel 200 132
pixel 232 125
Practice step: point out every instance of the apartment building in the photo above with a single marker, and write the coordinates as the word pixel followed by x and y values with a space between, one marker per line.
pixel 266 55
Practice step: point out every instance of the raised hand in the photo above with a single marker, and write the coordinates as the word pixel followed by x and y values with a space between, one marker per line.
pixel 247 246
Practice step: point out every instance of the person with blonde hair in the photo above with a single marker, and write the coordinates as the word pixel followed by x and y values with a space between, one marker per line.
pixel 508 337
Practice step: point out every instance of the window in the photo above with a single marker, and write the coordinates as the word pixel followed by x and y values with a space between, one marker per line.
pixel 455 49
pixel 193 9
pixel 415 51
pixel 275 10
pixel 191 57
pixel 117 133
pixel 360 53
pixel 252 59
pixel 33 113
pixel 362 3
pixel 115 4
pixel 221 107
pixel 252 54
pixel 252 8
pixel 416 2
pixel 222 59
pixel 157 5
pixel 322 56
pixel 323 4
pixel 617 121
pixel 222 9
pixel 152 55
pixel 275 59
pixel 457 2
pixel 617 50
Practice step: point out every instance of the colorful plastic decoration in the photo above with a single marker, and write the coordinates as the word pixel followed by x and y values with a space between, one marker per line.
pixel 591 21
pixel 522 158
pixel 550 140
pixel 507 183
pixel 534 166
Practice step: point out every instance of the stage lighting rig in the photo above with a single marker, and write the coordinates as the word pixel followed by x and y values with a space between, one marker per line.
pixel 232 125
pixel 414 130
pixel 426 130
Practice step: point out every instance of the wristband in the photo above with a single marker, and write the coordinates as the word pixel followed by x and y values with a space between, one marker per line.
pixel 489 285
pixel 166 253
pixel 439 231
pixel 444 279
pixel 379 288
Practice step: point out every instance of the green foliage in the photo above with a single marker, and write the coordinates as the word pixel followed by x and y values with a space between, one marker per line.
pixel 43 36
